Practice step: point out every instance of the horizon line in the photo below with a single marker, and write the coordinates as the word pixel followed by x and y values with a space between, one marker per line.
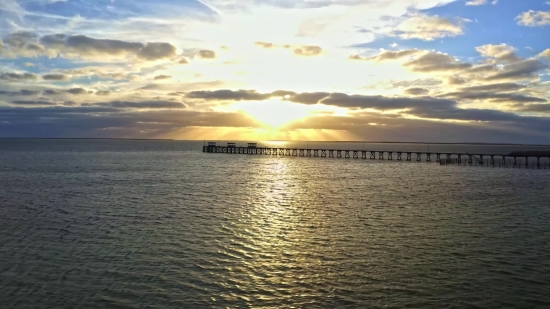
pixel 297 141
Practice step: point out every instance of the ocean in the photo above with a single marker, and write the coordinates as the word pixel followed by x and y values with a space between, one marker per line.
pixel 160 224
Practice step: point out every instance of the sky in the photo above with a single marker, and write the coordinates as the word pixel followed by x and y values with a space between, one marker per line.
pixel 323 70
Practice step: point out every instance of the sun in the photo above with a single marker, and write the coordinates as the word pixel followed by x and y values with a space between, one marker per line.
pixel 274 113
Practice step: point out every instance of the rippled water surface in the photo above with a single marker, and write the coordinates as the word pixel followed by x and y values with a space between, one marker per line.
pixel 159 224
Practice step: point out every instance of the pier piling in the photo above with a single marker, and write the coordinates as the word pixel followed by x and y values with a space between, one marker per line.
pixel 512 160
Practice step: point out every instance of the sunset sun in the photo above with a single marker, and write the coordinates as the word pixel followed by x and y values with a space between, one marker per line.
pixel 273 113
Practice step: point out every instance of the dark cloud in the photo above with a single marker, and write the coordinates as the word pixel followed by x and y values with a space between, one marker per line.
pixel 5 76
pixel 525 69
pixel 228 95
pixel 455 80
pixel 49 92
pixel 55 77
pixel 385 103
pixel 264 44
pixel 176 93
pixel 494 87
pixel 141 104
pixel 465 114
pixel 308 97
pixel 308 50
pixel 57 40
pixel 23 102
pixel 161 77
pixel 35 47
pixel 492 97
pixel 92 121
pixel 9 93
pixel 19 39
pixel 484 68
pixel 207 54
pixel 77 91
pixel 417 91
pixel 103 92
pixel 22 92
pixel 282 93
pixel 155 51
pixel 29 92
pixel 436 62
pixel 508 57
pixel 87 46
pixel 535 108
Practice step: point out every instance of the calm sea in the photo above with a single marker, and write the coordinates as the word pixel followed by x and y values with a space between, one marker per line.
pixel 159 224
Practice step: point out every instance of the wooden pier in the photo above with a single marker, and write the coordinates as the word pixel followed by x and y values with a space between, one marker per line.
pixel 512 160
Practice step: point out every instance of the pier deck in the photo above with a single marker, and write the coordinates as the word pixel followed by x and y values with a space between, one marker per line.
pixel 519 160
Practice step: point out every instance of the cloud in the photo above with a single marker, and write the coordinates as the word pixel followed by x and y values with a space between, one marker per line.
pixel 494 87
pixel 228 95
pixel 207 54
pixel 155 104
pixel 77 91
pixel 521 70
pixel 492 97
pixel 88 47
pixel 476 2
pixel 500 52
pixel 421 61
pixel 22 92
pixel 389 55
pixel 429 28
pixel 49 92
pixel 417 91
pixel 30 103
pixel 308 50
pixel 545 54
pixel 19 39
pixel 99 121
pixel 308 97
pixel 384 103
pixel 162 77
pixel 536 108
pixel 103 72
pixel 29 92
pixel 425 107
pixel 455 80
pixel 103 92
pixel 55 77
pixel 436 62
pixel 155 51
pixel 17 76
pixel 534 18
pixel 264 44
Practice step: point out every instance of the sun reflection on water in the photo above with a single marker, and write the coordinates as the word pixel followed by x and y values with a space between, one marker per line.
pixel 279 232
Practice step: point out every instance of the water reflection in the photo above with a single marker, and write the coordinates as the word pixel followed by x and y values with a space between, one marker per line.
pixel 280 233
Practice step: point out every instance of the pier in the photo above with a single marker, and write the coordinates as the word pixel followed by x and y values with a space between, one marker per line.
pixel 534 160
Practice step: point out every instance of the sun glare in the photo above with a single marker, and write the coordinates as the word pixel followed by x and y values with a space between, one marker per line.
pixel 273 113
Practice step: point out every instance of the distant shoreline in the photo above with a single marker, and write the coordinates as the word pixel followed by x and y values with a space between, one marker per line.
pixel 358 142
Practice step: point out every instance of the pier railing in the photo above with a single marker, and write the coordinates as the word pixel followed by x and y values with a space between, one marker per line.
pixel 444 158
pixel 503 163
